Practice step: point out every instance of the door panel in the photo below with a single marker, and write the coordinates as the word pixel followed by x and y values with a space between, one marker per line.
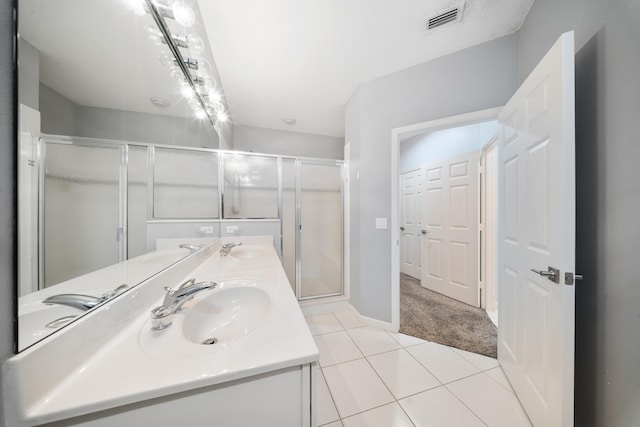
pixel 411 223
pixel 536 218
pixel 451 220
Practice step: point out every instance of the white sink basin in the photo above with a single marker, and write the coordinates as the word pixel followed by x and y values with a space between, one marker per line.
pixel 226 315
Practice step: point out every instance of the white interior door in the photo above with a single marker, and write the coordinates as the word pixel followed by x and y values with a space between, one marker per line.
pixel 410 222
pixel 537 230
pixel 450 223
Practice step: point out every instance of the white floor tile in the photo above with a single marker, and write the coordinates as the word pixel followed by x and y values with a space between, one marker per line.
pixel 390 415
pixel 355 387
pixel 336 347
pixel 480 361
pixel 402 374
pixel 490 401
pixel 326 409
pixel 349 319
pixel 333 424
pixel 438 407
pixel 372 340
pixel 498 375
pixel 444 363
pixel 406 340
pixel 323 324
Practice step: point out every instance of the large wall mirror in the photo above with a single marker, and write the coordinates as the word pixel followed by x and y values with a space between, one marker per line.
pixel 110 91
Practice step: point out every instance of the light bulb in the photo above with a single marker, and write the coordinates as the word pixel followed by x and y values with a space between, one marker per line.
pixel 200 114
pixel 183 13
pixel 196 44
pixel 210 83
pixel 187 91
pixel 218 107
pixel 214 96
pixel 222 117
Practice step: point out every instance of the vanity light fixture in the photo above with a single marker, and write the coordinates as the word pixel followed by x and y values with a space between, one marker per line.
pixel 198 88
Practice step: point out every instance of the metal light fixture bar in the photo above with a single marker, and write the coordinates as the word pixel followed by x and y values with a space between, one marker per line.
pixel 180 61
pixel 180 41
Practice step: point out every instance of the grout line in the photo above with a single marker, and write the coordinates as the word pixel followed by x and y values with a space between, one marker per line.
pixel 331 396
pixel 510 390
pixel 395 400
pixel 459 400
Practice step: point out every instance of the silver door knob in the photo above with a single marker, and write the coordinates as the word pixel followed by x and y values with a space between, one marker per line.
pixel 552 274
pixel 401 228
pixel 424 231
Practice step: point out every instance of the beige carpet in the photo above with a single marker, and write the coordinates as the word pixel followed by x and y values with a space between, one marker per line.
pixel 432 316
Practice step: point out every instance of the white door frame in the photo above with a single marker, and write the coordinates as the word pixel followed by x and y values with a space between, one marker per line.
pixel 396 135
pixel 488 301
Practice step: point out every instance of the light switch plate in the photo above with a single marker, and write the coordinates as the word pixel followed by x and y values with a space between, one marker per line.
pixel 381 223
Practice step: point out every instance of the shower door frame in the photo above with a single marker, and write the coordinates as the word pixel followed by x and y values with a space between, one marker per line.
pixel 298 226
pixel 122 229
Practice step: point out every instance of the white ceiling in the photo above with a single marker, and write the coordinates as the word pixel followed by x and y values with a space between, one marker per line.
pixel 305 59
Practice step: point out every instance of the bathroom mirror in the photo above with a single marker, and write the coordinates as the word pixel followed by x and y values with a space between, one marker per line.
pixel 98 92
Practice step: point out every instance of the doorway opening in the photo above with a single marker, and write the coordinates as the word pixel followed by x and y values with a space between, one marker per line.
pixel 443 230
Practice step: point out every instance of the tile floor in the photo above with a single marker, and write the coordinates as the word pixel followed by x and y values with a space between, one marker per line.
pixel 369 377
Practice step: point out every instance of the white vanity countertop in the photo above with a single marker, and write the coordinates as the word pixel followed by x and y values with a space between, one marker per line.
pixel 141 364
pixel 34 315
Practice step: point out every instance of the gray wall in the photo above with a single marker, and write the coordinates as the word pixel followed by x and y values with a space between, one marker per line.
pixel 58 113
pixel 272 141
pixel 8 176
pixel 481 77
pixel 61 116
pixel 29 69
pixel 607 386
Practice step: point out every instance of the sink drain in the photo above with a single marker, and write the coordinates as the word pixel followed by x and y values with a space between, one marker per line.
pixel 210 341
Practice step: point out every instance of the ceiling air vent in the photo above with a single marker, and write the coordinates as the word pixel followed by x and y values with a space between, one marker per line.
pixel 450 15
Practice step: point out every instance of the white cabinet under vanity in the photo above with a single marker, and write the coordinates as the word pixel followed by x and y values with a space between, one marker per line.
pixel 279 399
pixel 235 354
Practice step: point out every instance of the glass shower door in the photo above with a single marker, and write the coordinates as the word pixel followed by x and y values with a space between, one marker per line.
pixel 83 209
pixel 320 229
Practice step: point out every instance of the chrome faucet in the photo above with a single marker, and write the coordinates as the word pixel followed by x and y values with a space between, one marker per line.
pixel 173 301
pixel 79 301
pixel 192 248
pixel 175 298
pixel 83 302
pixel 225 249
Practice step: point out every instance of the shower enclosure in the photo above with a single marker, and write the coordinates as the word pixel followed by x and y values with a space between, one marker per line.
pixel 102 202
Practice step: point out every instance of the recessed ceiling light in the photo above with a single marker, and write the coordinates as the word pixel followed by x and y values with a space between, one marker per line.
pixel 159 102
pixel 289 120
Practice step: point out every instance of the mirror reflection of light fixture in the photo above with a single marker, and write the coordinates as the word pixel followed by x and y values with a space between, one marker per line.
pixel 200 88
